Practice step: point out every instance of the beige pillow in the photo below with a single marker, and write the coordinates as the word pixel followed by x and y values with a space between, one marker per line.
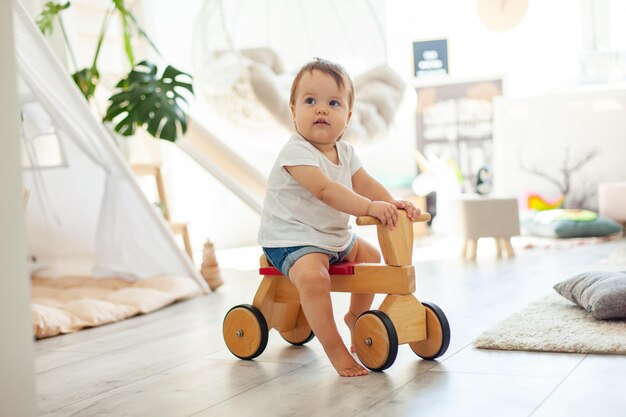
pixel 50 321
pixel 177 286
pixel 39 291
pixel 378 92
pixel 96 312
pixel 382 73
pixel 383 97
pixel 269 90
pixel 63 282
pixel 265 56
pixel 143 299
pixel 71 294
pixel 371 121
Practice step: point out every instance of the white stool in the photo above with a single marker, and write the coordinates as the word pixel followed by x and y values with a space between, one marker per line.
pixel 612 201
pixel 476 216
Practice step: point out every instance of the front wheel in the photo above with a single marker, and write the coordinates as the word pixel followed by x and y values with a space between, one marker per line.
pixel 376 340
pixel 245 331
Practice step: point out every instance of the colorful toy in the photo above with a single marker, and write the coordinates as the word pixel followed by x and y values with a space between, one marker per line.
pixel 400 319
pixel 537 202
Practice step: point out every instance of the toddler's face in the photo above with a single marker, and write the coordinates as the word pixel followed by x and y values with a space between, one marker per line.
pixel 320 111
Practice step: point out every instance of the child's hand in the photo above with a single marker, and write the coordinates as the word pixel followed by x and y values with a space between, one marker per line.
pixel 387 213
pixel 410 209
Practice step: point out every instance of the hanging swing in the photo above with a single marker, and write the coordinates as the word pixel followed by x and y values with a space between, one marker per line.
pixel 246 54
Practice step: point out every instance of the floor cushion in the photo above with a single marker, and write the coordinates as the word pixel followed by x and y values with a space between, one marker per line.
pixel 601 293
pixel 70 303
pixel 564 223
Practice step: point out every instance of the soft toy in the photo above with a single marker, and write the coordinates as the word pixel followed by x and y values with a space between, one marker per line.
pixel 484 181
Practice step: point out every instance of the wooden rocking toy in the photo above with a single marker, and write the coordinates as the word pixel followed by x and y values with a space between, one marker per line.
pixel 400 319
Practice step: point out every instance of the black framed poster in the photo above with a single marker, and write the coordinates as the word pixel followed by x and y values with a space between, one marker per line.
pixel 430 57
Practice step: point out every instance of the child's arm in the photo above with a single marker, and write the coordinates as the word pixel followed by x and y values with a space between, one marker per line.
pixel 340 197
pixel 367 186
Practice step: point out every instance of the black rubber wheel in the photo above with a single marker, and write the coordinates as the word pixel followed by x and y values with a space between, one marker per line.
pixel 245 331
pixel 310 337
pixel 301 333
pixel 376 340
pixel 438 331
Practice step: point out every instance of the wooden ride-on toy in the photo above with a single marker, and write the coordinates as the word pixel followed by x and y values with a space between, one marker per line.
pixel 400 319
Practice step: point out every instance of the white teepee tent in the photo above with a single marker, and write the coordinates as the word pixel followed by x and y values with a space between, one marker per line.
pixel 86 212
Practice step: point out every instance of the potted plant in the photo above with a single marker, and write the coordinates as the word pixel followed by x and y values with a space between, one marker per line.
pixel 143 98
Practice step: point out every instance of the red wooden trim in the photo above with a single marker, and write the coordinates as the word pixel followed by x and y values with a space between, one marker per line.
pixel 343 268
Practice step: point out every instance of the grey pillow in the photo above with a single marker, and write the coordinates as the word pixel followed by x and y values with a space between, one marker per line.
pixel 601 293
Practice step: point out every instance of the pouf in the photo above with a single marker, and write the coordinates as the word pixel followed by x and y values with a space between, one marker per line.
pixel 612 201
pixel 475 217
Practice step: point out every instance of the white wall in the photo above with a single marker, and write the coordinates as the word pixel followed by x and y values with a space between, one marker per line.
pixel 17 393
pixel 540 54
pixel 537 131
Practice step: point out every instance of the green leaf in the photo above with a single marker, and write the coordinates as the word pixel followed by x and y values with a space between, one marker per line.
pixel 45 20
pixel 129 22
pixel 145 100
pixel 87 80
pixel 128 47
pixel 126 30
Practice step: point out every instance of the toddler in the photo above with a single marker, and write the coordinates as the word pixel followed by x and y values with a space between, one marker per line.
pixel 316 183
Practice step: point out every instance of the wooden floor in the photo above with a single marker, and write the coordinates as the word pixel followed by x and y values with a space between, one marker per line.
pixel 174 362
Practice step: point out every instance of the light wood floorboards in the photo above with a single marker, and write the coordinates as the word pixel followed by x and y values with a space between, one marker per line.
pixel 174 362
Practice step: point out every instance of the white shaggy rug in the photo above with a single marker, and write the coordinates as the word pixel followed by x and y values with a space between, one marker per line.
pixel 554 324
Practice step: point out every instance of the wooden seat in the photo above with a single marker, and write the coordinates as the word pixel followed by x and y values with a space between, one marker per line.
pixel 154 170
pixel 342 268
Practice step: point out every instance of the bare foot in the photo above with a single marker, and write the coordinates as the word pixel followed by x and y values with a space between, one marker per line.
pixel 344 363
pixel 350 319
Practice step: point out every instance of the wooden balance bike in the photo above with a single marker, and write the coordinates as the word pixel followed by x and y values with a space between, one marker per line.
pixel 400 319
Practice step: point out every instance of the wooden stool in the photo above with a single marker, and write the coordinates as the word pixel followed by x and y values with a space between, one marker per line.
pixel 400 319
pixel 477 217
pixel 181 229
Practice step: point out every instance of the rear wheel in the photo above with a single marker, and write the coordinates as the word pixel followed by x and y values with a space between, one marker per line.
pixel 298 339
pixel 300 334
pixel 437 331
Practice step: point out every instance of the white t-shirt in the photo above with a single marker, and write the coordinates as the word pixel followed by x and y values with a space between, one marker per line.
pixel 292 216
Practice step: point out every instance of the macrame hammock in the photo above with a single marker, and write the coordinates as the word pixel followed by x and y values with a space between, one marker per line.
pixel 246 54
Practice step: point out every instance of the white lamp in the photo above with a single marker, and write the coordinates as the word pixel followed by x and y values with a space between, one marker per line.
pixel 501 15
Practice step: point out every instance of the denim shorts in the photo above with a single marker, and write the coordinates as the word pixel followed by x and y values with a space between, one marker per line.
pixel 284 258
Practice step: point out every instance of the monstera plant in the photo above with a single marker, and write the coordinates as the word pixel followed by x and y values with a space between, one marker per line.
pixel 144 98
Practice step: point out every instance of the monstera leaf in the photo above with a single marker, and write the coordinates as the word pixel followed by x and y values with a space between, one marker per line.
pixel 150 101
pixel 45 20
pixel 87 80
